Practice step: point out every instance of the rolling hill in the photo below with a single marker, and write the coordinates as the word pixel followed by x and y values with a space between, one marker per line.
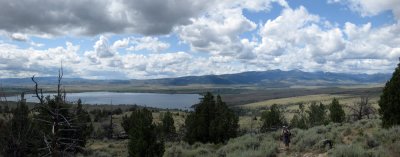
pixel 272 78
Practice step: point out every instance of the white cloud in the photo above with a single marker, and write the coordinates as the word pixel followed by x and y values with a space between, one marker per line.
pixel 120 43
pixel 217 33
pixel 102 48
pixel 372 7
pixel 19 62
pixel 299 40
pixel 151 44
pixel 19 37
pixel 218 37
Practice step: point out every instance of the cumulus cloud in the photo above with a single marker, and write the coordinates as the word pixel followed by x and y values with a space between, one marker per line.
pixel 17 62
pixel 91 17
pixel 102 48
pixel 217 33
pixel 299 40
pixel 19 37
pixel 151 44
pixel 372 7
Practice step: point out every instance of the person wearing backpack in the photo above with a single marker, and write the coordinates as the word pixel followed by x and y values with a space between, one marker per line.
pixel 286 136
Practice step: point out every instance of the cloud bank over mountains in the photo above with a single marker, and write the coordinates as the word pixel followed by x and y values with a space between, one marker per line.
pixel 170 38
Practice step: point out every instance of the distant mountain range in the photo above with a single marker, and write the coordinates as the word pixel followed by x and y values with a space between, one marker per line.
pixel 272 78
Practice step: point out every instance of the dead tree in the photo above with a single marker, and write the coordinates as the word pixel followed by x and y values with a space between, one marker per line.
pixel 57 123
pixel 361 109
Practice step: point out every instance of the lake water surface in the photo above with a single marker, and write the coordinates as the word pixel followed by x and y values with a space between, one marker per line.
pixel 170 101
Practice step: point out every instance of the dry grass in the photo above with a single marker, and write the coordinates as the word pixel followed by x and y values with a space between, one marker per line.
pixel 108 147
pixel 295 100
pixel 324 98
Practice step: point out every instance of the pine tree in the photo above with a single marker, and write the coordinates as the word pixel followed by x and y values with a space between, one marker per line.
pixel 300 119
pixel 167 127
pixel 212 121
pixel 316 114
pixel 272 119
pixel 389 102
pixel 337 113
pixel 225 124
pixel 143 140
pixel 84 124
pixel 61 132
pixel 6 109
pixel 19 136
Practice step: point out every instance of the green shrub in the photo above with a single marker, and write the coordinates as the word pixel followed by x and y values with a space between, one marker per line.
pixel 246 142
pixel 349 151
pixel 308 139
pixel 378 152
pixel 185 150
pixel 250 146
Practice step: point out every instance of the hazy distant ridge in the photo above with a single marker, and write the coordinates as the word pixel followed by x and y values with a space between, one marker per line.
pixel 276 78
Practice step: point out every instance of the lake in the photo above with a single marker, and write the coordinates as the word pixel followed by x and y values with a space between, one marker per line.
pixel 165 101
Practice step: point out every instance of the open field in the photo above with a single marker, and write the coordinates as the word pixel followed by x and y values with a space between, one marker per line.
pixel 254 96
pixel 323 98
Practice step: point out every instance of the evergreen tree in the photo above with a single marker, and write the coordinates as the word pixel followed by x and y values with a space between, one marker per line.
pixel 211 121
pixel 337 113
pixel 389 102
pixel 63 131
pixel 272 119
pixel 84 124
pixel 300 119
pixel 143 140
pixel 19 135
pixel 316 114
pixel 167 126
pixel 6 109
pixel 225 124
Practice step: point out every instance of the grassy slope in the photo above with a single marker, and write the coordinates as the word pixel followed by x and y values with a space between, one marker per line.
pixel 363 138
pixel 359 138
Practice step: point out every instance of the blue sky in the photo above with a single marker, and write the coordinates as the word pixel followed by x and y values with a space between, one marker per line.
pixel 170 38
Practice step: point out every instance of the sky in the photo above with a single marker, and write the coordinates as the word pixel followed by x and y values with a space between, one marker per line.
pixel 136 39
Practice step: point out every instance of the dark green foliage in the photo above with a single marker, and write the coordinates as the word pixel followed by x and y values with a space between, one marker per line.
pixel 167 126
pixel 1 109
pixel 84 124
pixel 337 114
pixel 117 111
pixel 19 135
pixel 61 122
pixel 212 121
pixel 316 114
pixel 225 124
pixel 6 109
pixel 272 119
pixel 100 114
pixel 389 102
pixel 300 119
pixel 143 141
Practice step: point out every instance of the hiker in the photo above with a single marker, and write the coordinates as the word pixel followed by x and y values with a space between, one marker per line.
pixel 286 136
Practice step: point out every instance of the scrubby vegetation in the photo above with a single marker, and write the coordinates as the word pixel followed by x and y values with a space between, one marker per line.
pixel 362 138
